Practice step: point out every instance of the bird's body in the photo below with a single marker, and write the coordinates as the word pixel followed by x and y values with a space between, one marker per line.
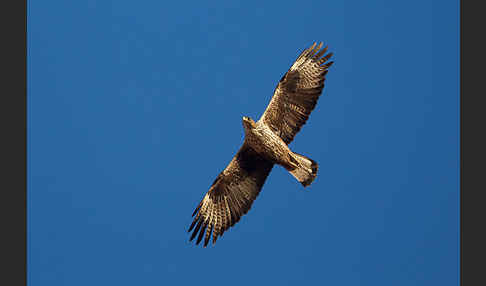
pixel 266 144
pixel 260 138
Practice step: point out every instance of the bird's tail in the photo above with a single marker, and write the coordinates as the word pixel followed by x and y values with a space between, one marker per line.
pixel 306 170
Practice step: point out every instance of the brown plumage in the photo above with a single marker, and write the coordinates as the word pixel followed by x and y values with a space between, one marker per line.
pixel 266 144
pixel 297 92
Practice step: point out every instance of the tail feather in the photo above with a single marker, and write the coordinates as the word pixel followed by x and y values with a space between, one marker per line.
pixel 306 170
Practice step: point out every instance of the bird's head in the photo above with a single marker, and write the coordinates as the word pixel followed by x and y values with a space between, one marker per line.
pixel 248 123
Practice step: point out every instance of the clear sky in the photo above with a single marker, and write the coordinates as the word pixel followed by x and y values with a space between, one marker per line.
pixel 134 107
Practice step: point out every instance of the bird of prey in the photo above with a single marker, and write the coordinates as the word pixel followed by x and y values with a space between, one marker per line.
pixel 266 144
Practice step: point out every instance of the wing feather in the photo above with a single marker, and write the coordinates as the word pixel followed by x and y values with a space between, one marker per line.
pixel 230 196
pixel 297 93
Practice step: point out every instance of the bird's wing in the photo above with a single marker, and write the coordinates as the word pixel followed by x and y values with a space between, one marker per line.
pixel 297 92
pixel 231 195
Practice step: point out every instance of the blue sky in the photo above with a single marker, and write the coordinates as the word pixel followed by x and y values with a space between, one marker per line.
pixel 134 107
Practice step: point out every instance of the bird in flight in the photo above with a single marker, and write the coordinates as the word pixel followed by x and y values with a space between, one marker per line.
pixel 266 144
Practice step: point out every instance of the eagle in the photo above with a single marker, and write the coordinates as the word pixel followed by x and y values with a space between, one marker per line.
pixel 266 143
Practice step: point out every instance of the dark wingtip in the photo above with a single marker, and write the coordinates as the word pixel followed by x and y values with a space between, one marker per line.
pixel 197 209
pixel 320 53
pixel 201 233
pixel 196 230
pixel 192 225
